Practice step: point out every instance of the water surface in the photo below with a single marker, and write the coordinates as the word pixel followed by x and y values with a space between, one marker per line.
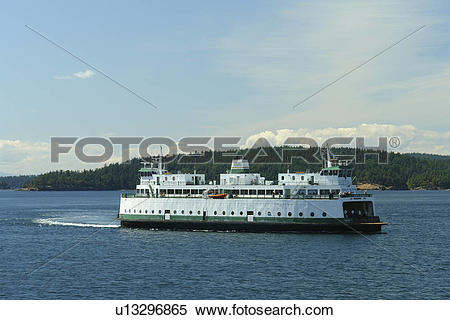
pixel 409 261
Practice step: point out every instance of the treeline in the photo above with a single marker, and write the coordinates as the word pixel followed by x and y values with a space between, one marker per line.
pixel 403 171
pixel 14 182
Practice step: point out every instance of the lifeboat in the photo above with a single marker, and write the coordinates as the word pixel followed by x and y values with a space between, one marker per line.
pixel 218 196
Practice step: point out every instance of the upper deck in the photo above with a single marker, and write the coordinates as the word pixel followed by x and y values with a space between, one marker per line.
pixel 329 183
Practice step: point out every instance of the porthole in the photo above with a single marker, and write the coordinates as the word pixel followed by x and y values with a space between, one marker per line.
pixel 174 211
pixel 312 214
pixel 241 213
pixel 223 212
pixel 140 211
pixel 215 213
pixel 198 212
pixel 232 213
pixel 300 214
pixel 324 214
pixel 279 214
pixel 129 211
pixel 153 211
pixel 182 211
pixel 269 214
pixel 289 214
pixel 146 211
pixel 190 211
pixel 259 213
pixel 159 211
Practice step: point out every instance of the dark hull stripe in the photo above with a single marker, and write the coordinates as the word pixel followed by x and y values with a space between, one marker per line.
pixel 254 227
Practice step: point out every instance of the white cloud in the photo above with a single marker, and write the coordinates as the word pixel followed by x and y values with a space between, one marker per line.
pixel 84 74
pixel 412 139
pixel 77 75
pixel 26 157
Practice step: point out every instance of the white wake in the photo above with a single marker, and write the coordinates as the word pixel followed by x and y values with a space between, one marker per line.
pixel 74 224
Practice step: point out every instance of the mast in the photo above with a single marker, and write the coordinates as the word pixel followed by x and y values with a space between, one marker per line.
pixel 328 157
pixel 160 161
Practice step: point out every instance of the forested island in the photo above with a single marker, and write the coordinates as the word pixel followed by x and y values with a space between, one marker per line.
pixel 403 171
pixel 15 182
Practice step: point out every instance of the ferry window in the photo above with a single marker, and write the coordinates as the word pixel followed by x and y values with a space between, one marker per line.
pixel 215 213
pixel 261 192
pixel 252 192
pixel 165 178
pixel 134 210
pixel 321 173
pixel 174 211
pixel 312 214
pixel 325 172
pixel 232 213
pixel 129 211
pixel 279 213
pixel 269 214
pixel 235 192
pixel 153 211
pixel 190 211
pixel 170 191
pixel 140 211
pixel 312 192
pixel 293 177
pixel 146 211
pixel 241 213
pixel 300 214
pixel 223 212
pixel 198 212
pixel 259 213
pixel 182 211
pixel 185 191
pixel 194 191
pixel 244 192
pixel 325 192
pixel 269 192
pixel 159 211
pixel 289 214
pixel 324 214
pixel 303 178
pixel 173 178
pixel 282 177
pixel 340 173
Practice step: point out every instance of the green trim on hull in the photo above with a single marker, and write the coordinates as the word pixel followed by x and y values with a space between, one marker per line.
pixel 335 227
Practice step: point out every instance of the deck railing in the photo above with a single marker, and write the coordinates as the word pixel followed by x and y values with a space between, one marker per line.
pixel 304 197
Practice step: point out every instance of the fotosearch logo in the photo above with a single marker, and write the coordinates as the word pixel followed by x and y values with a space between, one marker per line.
pixel 220 150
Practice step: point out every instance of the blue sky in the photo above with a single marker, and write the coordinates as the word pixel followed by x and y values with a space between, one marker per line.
pixel 220 68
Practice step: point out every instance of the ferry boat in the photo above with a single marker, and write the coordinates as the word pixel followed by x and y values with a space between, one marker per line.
pixel 324 201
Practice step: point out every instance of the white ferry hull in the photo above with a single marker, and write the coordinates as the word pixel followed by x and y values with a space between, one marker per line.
pixel 246 215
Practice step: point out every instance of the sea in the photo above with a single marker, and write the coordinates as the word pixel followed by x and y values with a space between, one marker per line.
pixel 68 245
